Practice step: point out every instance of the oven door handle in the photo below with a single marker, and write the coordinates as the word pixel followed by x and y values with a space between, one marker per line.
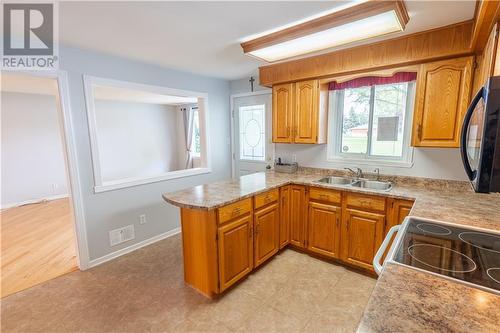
pixel 376 260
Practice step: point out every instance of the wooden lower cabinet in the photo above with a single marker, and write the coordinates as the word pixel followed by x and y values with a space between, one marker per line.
pixel 396 213
pixel 298 216
pixel 266 241
pixel 235 250
pixel 284 216
pixel 223 245
pixel 324 229
pixel 362 234
pixel 400 210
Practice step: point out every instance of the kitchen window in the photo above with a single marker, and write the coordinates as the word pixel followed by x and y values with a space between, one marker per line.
pixel 370 120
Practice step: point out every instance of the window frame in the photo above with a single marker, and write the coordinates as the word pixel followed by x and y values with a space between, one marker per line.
pixel 103 186
pixel 335 122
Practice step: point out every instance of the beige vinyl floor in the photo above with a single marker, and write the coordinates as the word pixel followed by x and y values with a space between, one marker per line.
pixel 144 292
pixel 37 244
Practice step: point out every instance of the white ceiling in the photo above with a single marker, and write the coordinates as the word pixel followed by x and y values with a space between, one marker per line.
pixel 204 37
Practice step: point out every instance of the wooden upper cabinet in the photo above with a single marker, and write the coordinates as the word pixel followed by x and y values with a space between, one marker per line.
pixel 235 250
pixel 266 224
pixel 443 92
pixel 298 206
pixel 362 234
pixel 283 112
pixel 324 229
pixel 284 216
pixel 306 112
pixel 300 112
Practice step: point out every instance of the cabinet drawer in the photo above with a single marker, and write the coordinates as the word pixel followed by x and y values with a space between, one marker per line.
pixel 366 202
pixel 265 198
pixel 316 193
pixel 234 210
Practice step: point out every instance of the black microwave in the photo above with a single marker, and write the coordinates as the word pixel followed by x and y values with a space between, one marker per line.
pixel 480 138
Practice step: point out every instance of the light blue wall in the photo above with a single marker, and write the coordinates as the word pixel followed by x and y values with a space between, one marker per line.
pixel 114 209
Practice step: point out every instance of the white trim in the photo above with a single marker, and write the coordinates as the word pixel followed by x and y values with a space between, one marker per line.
pixel 231 118
pixel 129 182
pixel 71 156
pixel 34 201
pixel 205 158
pixel 370 162
pixel 133 247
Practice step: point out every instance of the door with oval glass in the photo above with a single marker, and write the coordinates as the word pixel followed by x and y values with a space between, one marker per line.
pixel 253 150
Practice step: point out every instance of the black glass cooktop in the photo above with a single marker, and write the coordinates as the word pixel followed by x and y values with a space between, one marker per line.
pixel 459 253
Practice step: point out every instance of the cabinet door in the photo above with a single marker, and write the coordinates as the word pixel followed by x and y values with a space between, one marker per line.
pixel 284 216
pixel 266 224
pixel 306 111
pixel 298 216
pixel 443 92
pixel 235 251
pixel 282 112
pixel 399 209
pixel 362 235
pixel 324 229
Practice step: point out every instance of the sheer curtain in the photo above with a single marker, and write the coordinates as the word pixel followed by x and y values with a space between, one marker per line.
pixel 188 113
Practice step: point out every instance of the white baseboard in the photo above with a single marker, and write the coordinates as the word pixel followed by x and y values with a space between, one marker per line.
pixel 133 247
pixel 33 201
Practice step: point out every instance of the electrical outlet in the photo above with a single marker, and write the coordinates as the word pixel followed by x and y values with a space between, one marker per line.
pixel 121 235
pixel 142 219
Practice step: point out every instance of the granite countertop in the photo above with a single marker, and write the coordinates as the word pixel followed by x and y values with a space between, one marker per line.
pixel 407 300
pixel 404 299
pixel 447 201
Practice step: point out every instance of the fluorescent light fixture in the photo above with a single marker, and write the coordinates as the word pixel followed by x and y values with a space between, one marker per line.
pixel 336 29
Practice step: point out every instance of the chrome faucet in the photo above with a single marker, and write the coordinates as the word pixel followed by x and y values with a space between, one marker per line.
pixel 377 171
pixel 358 173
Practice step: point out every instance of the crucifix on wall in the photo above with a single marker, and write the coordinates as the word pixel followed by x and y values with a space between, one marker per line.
pixel 252 80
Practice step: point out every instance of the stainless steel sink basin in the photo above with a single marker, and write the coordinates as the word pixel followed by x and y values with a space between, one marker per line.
pixel 336 180
pixel 373 184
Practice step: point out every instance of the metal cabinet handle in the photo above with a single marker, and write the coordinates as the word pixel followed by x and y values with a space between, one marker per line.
pixel 376 260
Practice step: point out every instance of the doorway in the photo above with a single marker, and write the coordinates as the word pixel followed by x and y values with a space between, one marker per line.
pixel 252 148
pixel 38 239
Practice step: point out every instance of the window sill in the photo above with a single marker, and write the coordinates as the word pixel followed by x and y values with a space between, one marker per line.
pixel 130 182
pixel 374 162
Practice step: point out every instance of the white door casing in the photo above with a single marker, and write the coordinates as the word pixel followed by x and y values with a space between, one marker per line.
pixel 251 136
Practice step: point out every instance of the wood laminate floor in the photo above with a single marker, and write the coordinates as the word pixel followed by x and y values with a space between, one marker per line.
pixel 37 244
pixel 144 291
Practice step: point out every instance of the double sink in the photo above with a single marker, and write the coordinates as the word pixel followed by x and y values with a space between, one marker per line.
pixel 361 183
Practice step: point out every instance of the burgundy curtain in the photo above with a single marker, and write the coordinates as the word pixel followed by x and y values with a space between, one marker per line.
pixel 368 81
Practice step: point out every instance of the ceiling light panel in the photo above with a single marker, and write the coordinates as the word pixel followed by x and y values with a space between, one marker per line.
pixel 354 24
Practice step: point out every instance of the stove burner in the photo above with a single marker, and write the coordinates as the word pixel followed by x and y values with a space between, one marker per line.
pixel 433 229
pixel 425 253
pixel 481 240
pixel 494 274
